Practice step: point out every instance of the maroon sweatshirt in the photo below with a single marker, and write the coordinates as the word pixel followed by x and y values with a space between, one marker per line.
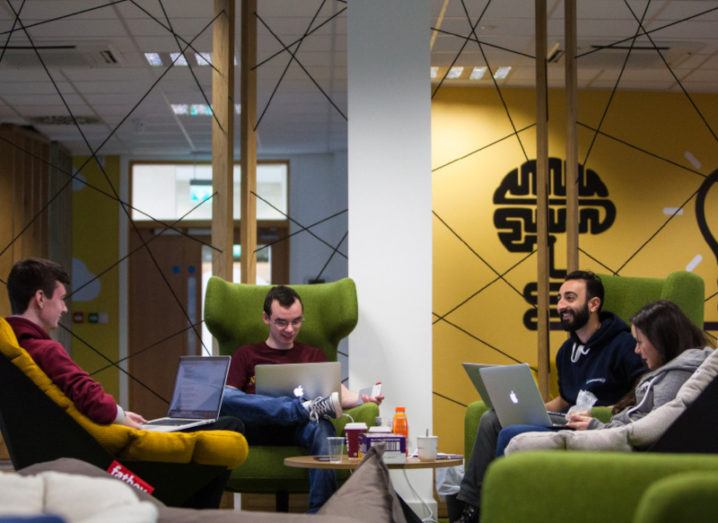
pixel 87 395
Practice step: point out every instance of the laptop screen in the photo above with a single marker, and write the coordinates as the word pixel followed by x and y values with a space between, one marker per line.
pixel 199 387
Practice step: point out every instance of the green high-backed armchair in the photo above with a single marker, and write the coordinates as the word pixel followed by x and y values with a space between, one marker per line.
pixel 623 296
pixel 233 314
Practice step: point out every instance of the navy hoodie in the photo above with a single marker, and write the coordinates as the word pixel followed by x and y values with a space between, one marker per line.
pixel 606 364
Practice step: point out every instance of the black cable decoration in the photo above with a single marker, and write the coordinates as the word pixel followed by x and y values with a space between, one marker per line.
pixel 615 86
pixel 306 228
pixel 289 63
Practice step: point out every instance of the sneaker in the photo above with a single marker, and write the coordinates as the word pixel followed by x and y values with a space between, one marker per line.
pixel 324 407
pixel 470 514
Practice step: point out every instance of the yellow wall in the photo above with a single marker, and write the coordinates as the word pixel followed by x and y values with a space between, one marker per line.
pixel 640 187
pixel 95 243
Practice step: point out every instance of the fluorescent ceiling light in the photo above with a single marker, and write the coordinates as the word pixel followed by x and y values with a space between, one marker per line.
pixel 502 72
pixel 180 108
pixel 178 59
pixel 434 72
pixel 238 108
pixel 477 73
pixel 455 72
pixel 203 58
pixel 154 59
pixel 200 110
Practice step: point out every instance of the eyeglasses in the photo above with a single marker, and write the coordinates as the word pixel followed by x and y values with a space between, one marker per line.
pixel 283 324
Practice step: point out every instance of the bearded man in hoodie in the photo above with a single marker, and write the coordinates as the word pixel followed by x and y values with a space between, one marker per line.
pixel 598 357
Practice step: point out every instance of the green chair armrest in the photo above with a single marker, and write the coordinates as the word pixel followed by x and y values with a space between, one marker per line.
pixel 471 425
pixel 592 487
pixel 689 496
pixel 601 413
pixel 367 412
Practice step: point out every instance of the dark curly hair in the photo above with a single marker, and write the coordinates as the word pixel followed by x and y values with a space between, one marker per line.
pixel 286 296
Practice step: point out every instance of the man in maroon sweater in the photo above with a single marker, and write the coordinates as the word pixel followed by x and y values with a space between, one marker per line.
pixel 286 420
pixel 37 292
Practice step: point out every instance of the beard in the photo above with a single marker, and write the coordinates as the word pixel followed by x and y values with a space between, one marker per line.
pixel 576 319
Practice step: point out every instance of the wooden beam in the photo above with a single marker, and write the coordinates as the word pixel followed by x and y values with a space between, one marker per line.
pixel 571 136
pixel 223 138
pixel 248 142
pixel 542 200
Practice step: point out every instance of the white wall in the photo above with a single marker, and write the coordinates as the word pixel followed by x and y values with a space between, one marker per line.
pixel 389 144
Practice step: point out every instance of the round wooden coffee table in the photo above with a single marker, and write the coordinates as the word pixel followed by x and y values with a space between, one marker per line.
pixel 312 462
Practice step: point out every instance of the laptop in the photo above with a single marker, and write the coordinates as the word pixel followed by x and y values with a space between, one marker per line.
pixel 317 379
pixel 515 397
pixel 472 369
pixel 197 396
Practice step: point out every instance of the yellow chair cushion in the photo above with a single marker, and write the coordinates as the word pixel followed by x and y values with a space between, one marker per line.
pixel 209 447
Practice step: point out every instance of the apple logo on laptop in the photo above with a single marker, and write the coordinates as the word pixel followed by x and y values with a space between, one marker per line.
pixel 513 397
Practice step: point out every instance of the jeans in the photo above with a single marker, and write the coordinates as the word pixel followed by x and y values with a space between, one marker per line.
pixel 263 414
pixel 258 410
pixel 483 454
pixel 509 432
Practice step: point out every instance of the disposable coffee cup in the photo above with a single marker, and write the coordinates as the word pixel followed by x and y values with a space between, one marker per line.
pixel 353 431
pixel 335 448
pixel 426 447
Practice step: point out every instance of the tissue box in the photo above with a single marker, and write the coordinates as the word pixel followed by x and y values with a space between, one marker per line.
pixel 394 445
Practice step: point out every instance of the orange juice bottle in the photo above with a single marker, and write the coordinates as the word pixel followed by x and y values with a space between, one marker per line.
pixel 400 425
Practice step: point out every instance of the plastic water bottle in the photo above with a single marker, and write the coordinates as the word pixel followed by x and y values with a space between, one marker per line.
pixel 400 425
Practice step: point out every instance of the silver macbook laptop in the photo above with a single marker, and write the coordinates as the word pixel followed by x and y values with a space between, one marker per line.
pixel 515 397
pixel 317 379
pixel 197 396
pixel 472 369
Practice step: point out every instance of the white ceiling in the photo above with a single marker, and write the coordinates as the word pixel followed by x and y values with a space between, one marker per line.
pixel 300 118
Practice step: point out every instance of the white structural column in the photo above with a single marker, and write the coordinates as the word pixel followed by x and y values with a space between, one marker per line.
pixel 389 186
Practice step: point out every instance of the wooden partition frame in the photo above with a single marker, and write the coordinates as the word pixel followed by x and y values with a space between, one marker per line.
pixel 248 141
pixel 223 137
pixel 571 170
pixel 542 276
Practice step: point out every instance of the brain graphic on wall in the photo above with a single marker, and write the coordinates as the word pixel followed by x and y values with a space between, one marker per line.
pixel 515 215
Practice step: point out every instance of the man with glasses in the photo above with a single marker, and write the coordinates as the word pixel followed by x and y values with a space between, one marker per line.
pixel 286 420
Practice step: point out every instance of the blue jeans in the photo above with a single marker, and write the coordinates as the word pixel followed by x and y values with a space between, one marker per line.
pixel 263 414
pixel 513 430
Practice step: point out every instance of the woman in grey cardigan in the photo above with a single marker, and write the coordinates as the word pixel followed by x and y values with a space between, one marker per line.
pixel 672 347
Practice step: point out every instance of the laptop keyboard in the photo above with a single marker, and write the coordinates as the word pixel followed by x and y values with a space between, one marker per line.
pixel 173 422
pixel 558 419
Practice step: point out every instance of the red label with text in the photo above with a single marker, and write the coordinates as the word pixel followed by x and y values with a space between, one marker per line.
pixel 119 471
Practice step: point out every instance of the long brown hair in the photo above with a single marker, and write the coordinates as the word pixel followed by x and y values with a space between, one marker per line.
pixel 669 330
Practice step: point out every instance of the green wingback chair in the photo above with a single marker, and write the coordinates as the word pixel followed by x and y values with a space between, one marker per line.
pixel 675 480
pixel 233 314
pixel 623 296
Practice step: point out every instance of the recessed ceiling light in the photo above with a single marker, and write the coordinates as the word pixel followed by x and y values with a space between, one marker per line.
pixel 455 72
pixel 477 73
pixel 203 58
pixel 434 72
pixel 178 59
pixel 154 59
pixel 200 110
pixel 502 72
pixel 180 108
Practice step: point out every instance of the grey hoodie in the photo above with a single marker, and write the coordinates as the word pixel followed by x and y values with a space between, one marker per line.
pixel 657 387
